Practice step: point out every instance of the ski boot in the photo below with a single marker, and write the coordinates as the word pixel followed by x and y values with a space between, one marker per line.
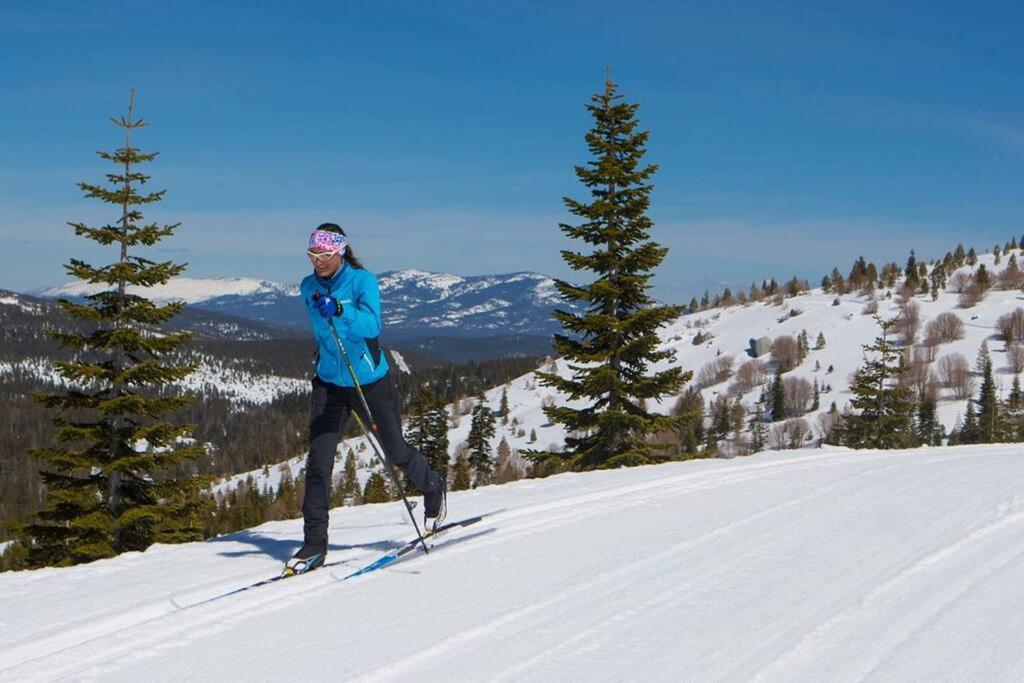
pixel 435 507
pixel 309 557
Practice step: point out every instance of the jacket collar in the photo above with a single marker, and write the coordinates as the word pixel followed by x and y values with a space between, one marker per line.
pixel 340 276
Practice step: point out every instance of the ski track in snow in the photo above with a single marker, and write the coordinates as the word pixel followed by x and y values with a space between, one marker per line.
pixel 809 565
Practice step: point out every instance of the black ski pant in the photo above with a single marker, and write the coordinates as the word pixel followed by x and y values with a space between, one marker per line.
pixel 330 408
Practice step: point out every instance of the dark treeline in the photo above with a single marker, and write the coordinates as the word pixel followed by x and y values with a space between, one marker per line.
pixel 242 437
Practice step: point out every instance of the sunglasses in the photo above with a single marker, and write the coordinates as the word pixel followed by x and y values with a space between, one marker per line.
pixel 321 256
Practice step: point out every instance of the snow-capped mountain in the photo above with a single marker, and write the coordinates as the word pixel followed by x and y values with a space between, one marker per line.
pixel 416 304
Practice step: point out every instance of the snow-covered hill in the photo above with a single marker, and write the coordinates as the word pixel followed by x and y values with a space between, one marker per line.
pixel 728 331
pixel 788 566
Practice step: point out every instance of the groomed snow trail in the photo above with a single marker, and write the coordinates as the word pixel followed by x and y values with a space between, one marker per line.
pixel 811 565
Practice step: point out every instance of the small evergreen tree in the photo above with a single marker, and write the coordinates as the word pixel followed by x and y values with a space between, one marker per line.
pixel 122 481
pixel 778 397
pixel 757 430
pixel 886 410
pixel 610 346
pixel 820 343
pixel 991 424
pixel 347 491
pixel 376 489
pixel 427 431
pixel 460 473
pixel 503 407
pixel 929 430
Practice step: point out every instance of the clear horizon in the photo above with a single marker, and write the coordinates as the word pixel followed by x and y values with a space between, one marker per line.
pixel 790 140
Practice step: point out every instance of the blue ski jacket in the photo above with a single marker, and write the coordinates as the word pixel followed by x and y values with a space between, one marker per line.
pixel 358 326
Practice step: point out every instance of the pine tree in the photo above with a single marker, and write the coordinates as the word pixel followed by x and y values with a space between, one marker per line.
pixel 991 424
pixel 376 489
pixel 610 346
pixel 121 480
pixel 460 473
pixel 347 490
pixel 503 407
pixel 928 427
pixel 820 343
pixel 427 431
pixel 1015 411
pixel 984 358
pixel 481 431
pixel 757 430
pixel 778 397
pixel 885 417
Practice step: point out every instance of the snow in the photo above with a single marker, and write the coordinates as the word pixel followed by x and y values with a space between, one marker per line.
pixel 400 362
pixel 808 565
pixel 237 384
pixel 187 289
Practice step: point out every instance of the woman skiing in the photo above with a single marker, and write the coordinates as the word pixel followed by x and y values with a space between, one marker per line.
pixel 342 294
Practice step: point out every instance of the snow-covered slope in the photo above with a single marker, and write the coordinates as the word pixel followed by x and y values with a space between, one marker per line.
pixel 789 566
pixel 845 327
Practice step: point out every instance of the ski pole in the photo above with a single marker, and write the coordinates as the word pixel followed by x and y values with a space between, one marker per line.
pixel 371 435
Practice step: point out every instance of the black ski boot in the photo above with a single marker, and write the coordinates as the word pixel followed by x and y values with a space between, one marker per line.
pixel 435 507
pixel 309 557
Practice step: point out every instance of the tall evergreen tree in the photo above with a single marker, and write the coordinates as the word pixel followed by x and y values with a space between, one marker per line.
pixel 610 345
pixel 481 431
pixel 121 480
pixel 885 410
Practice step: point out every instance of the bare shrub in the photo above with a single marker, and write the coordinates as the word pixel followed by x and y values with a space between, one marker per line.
pixel 917 376
pixel 971 296
pixel 830 422
pixel 797 431
pixel 785 353
pixel 1011 326
pixel 909 322
pixel 959 282
pixel 955 373
pixel 798 394
pixel 929 349
pixel 718 370
pixel 945 327
pixel 777 438
pixel 1012 277
pixel 905 293
pixel 1015 357
pixel 870 308
pixel 749 375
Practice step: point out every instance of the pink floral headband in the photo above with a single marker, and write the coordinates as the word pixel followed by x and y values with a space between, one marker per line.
pixel 327 241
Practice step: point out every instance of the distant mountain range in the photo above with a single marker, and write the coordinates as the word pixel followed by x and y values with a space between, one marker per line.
pixel 436 314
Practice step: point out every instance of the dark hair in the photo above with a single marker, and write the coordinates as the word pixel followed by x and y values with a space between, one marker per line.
pixel 349 255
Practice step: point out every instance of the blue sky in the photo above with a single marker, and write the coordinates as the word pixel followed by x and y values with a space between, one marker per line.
pixel 790 136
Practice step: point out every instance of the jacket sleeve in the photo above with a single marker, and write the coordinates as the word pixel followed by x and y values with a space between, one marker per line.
pixel 363 318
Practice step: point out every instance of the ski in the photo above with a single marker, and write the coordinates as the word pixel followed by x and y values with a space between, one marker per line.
pixel 397 553
pixel 383 561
